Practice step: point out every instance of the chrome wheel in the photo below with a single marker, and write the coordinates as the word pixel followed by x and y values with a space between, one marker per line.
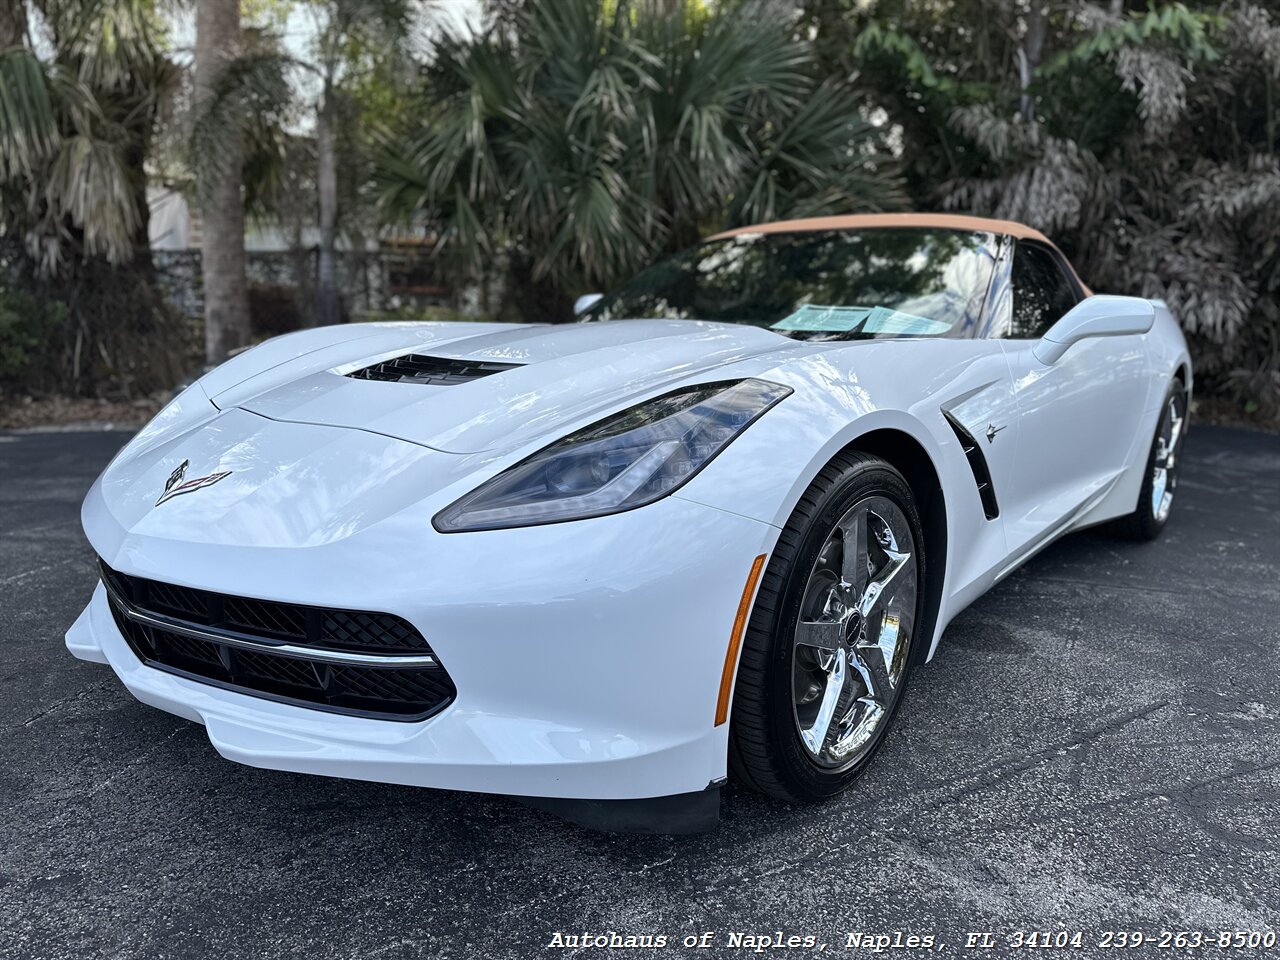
pixel 853 634
pixel 1164 477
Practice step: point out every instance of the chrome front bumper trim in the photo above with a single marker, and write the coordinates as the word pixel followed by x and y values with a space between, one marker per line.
pixel 245 641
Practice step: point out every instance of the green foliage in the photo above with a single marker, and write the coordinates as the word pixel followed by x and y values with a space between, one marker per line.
pixel 272 15
pixel 74 129
pixel 1172 25
pixel 584 138
pixel 28 126
pixel 27 326
pixel 1145 143
pixel 884 40
pixel 79 103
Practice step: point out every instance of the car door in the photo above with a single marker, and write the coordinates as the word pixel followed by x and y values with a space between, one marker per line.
pixel 1078 416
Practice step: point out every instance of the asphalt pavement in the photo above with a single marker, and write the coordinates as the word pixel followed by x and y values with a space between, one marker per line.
pixel 1095 747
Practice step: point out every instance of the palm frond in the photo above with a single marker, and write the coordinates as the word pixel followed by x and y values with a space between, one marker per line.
pixel 250 100
pixel 28 122
pixel 92 183
pixel 823 160
pixel 112 43
pixel 605 133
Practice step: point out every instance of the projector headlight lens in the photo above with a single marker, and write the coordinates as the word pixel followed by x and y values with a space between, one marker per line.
pixel 628 460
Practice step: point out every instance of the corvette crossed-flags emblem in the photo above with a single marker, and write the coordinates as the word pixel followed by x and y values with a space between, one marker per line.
pixel 175 486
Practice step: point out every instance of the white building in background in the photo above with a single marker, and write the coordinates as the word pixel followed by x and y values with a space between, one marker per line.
pixel 171 226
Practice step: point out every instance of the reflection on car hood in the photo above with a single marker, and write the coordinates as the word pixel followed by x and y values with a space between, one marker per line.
pixel 561 374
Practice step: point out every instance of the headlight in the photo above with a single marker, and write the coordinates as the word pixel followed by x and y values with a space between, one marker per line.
pixel 626 461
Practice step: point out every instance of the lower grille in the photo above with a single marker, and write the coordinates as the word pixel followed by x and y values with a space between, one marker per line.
pixel 310 656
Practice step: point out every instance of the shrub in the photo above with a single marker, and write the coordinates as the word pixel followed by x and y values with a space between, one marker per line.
pixel 28 328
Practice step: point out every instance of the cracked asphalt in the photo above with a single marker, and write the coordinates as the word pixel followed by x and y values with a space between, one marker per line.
pixel 1096 746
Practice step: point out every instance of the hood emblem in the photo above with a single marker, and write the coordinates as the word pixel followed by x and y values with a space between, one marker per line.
pixel 992 430
pixel 175 486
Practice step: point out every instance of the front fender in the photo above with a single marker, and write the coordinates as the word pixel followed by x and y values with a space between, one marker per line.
pixel 897 386
pixel 749 476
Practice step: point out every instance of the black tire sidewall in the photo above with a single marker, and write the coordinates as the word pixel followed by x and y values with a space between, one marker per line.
pixel 1149 525
pixel 803 777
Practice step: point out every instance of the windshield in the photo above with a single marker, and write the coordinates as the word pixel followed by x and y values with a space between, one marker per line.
pixel 820 285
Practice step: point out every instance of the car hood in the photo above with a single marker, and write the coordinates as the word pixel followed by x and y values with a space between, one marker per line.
pixel 560 374
pixel 243 480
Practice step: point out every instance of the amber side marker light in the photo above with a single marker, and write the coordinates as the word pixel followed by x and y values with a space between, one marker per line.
pixel 735 639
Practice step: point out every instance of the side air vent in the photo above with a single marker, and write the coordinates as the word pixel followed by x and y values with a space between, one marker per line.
pixel 978 464
pixel 432 371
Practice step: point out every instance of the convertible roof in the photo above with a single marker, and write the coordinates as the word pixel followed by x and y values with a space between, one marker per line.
pixel 946 221
pixel 943 221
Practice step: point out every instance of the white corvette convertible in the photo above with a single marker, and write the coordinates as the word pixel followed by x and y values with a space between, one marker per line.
pixel 707 531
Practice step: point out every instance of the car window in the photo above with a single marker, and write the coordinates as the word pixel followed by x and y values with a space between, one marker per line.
pixel 821 285
pixel 1041 292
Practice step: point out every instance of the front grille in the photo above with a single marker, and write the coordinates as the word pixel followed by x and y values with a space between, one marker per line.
pixel 433 371
pixel 273 619
pixel 343 661
pixel 318 627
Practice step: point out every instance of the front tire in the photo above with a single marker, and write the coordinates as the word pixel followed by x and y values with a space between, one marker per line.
pixel 832 635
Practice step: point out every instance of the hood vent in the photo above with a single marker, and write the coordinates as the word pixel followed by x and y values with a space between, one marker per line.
pixel 433 371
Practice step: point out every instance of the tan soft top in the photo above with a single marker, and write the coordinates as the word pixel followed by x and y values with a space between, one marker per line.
pixel 865 221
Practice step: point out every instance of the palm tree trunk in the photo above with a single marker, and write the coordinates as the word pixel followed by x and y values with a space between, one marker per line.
pixel 226 297
pixel 1030 49
pixel 328 304
pixel 301 257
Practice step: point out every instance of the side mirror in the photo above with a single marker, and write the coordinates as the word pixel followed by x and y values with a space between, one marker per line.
pixel 1096 316
pixel 586 302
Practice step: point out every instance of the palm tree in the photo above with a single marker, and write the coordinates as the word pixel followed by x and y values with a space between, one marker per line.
pixel 226 297
pixel 352 39
pixel 583 137
pixel 81 88
pixel 74 125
